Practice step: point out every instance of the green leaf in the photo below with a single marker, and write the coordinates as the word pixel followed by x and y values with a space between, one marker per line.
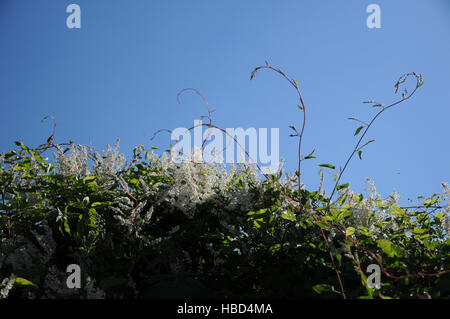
pixel 66 227
pixel 102 204
pixel 342 199
pixel 365 231
pixel 254 72
pixel 320 288
pixel 342 186
pixel 23 282
pixel 259 212
pixel 89 179
pixel 327 219
pixel 358 130
pixel 327 165
pixel 359 154
pixel 299 107
pixel 134 181
pixel 396 211
pixel 321 225
pixel 290 217
pixel 419 231
pixel 310 155
pixel 347 214
pixel 92 217
pixel 350 231
pixel 390 248
pixel 256 223
pixel 274 248
pixel 430 202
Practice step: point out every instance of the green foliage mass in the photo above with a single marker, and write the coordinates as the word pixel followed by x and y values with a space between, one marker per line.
pixel 156 229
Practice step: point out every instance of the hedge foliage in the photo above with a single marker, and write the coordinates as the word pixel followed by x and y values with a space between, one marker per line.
pixel 152 228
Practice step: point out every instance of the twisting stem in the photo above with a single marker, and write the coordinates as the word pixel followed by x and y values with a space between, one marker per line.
pixel 405 97
pixel 294 83
pixel 203 98
pixel 211 125
pixel 237 143
pixel 206 104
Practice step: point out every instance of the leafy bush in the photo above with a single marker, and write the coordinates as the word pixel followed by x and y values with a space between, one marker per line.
pixel 152 228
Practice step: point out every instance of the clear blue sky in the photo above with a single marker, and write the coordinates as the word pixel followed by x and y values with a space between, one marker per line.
pixel 118 77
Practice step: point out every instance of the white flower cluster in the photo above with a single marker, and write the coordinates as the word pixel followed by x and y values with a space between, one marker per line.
pixel 367 210
pixel 110 163
pixel 6 285
pixel 194 183
pixel 76 161
pixel 128 213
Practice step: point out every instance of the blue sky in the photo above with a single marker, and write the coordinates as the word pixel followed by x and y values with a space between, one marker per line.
pixel 118 77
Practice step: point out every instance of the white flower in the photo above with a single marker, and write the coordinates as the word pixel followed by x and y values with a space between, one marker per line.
pixel 7 285
pixel 111 161
pixel 75 162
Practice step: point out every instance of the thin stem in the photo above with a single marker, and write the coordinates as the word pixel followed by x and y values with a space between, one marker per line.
pixel 203 98
pixel 237 142
pixel 303 108
pixel 210 125
pixel 418 84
